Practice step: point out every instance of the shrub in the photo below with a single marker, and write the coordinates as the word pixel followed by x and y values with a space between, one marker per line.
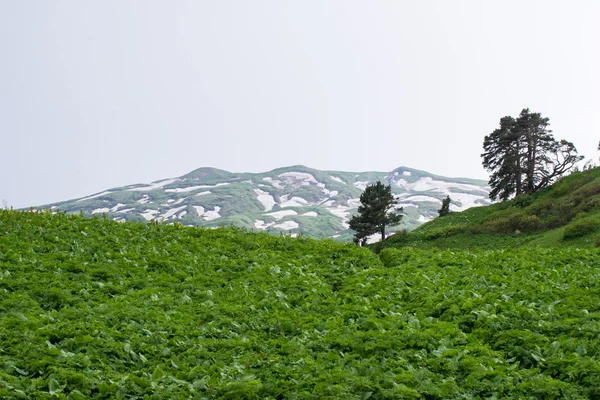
pixel 523 201
pixel 580 228
pixel 445 231
pixel 512 223
pixel 571 183
pixel 400 236
pixel 541 208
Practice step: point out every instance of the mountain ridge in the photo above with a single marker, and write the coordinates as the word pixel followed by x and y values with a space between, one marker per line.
pixel 293 200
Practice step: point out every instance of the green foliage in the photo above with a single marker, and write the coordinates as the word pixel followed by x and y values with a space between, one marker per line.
pixel 514 222
pixel 523 201
pixel 444 231
pixel 91 308
pixel 580 227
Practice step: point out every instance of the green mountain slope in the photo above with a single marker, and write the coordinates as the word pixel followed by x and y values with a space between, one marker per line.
pixel 294 200
pixel 92 308
pixel 566 214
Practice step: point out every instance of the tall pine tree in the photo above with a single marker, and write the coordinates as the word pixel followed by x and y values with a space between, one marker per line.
pixel 523 155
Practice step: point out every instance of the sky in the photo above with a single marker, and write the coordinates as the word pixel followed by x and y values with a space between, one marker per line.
pixel 101 94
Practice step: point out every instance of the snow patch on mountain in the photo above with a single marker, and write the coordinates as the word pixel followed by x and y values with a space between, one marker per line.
pixel 260 224
pixel 172 212
pixel 424 219
pixel 310 214
pixel 362 185
pixel 281 214
pixel 100 210
pixel 154 185
pixel 265 199
pixel 287 225
pixel 274 182
pixel 199 210
pixel 354 203
pixel 342 212
pixel 192 188
pixel 144 200
pixel 466 201
pixel 403 204
pixel 327 192
pixel 423 198
pixel 94 196
pixel 335 178
pixel 149 215
pixel 115 208
pixel 210 215
pixel 294 202
pixel 430 184
pixel 295 178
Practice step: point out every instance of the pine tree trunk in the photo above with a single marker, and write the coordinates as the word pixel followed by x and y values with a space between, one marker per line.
pixel 518 169
pixel 382 233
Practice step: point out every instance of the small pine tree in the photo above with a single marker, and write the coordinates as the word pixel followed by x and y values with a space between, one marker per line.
pixel 377 210
pixel 445 210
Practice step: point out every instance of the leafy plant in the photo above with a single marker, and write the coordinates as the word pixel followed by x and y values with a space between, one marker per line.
pixel 90 308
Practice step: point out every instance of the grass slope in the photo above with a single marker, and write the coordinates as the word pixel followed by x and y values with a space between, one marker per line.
pixel 566 214
pixel 90 308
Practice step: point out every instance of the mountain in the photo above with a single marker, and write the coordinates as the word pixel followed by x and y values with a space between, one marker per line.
pixel 292 200
pixel 565 214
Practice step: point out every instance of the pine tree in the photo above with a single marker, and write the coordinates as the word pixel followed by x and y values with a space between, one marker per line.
pixel 523 155
pixel 445 209
pixel 377 210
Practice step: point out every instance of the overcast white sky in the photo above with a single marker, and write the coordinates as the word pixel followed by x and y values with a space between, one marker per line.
pixel 99 94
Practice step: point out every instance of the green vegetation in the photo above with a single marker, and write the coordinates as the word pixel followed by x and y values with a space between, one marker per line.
pixel 566 214
pixel 91 308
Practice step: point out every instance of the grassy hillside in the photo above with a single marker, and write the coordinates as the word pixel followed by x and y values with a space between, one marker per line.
pixel 91 308
pixel 566 214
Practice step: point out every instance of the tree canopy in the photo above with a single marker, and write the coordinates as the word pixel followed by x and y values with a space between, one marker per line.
pixel 377 210
pixel 523 155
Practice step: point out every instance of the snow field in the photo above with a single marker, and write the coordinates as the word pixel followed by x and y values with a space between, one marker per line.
pixel 210 215
pixel 265 199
